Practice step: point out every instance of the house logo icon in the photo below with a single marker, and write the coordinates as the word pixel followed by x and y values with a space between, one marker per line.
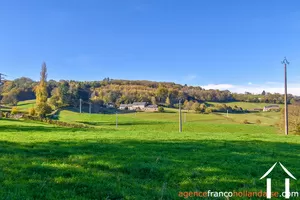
pixel 287 181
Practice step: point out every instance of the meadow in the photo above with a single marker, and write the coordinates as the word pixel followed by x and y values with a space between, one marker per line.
pixel 144 157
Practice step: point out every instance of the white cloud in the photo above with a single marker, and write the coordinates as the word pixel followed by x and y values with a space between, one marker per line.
pixel 218 86
pixel 256 88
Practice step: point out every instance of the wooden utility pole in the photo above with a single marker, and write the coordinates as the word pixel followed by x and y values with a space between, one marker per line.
pixel 286 113
pixel 180 117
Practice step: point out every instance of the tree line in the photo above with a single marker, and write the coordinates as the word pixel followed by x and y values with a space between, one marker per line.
pixel 68 92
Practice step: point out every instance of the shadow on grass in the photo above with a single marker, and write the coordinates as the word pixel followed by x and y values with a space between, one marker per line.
pixel 133 169
pixel 26 103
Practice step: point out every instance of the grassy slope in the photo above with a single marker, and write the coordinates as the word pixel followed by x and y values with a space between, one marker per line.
pixel 247 105
pixel 144 158
pixel 25 105
pixel 22 106
pixel 267 118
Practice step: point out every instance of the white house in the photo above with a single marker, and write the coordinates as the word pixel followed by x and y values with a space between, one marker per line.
pixel 125 107
pixel 151 108
pixel 139 105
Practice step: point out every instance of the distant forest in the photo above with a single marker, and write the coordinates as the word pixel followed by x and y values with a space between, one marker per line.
pixel 67 93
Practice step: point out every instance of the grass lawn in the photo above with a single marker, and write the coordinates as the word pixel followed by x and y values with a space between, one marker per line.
pixel 144 158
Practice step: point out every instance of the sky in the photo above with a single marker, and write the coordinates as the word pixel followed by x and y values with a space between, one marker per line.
pixel 216 44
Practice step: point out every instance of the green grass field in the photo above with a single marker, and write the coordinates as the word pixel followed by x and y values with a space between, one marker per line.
pixel 145 157
pixel 25 105
pixel 246 105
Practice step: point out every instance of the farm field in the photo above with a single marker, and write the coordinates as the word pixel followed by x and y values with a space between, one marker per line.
pixel 25 105
pixel 22 106
pixel 145 157
pixel 246 105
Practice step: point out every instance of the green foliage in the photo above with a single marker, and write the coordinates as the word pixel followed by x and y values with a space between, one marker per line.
pixel 168 102
pixel 208 110
pixel 187 105
pixel 161 109
pixel 31 111
pixel 55 102
pixel 297 130
pixel 42 109
pixel 10 98
pixel 56 122
pixel 41 89
pixel 122 91
pixel 162 93
pixel 294 118
pixel 14 110
pixel 196 106
pixel 153 100
pixel 246 121
pixel 225 108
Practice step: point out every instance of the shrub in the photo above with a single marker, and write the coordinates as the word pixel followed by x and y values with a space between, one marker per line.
pixel 42 109
pixel 208 110
pixel 297 131
pixel 31 111
pixel 161 109
pixel 258 121
pixel 294 119
pixel 14 110
pixel 246 121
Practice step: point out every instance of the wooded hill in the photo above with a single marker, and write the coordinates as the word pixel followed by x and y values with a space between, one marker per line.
pixel 68 93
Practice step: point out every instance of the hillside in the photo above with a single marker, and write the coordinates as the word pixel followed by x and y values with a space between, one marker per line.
pixel 63 93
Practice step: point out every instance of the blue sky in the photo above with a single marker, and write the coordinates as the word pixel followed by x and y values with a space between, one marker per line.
pixel 234 44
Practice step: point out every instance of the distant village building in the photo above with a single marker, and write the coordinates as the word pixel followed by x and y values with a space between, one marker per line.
pixel 110 105
pixel 139 106
pixel 152 108
pixel 125 107
pixel 271 107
